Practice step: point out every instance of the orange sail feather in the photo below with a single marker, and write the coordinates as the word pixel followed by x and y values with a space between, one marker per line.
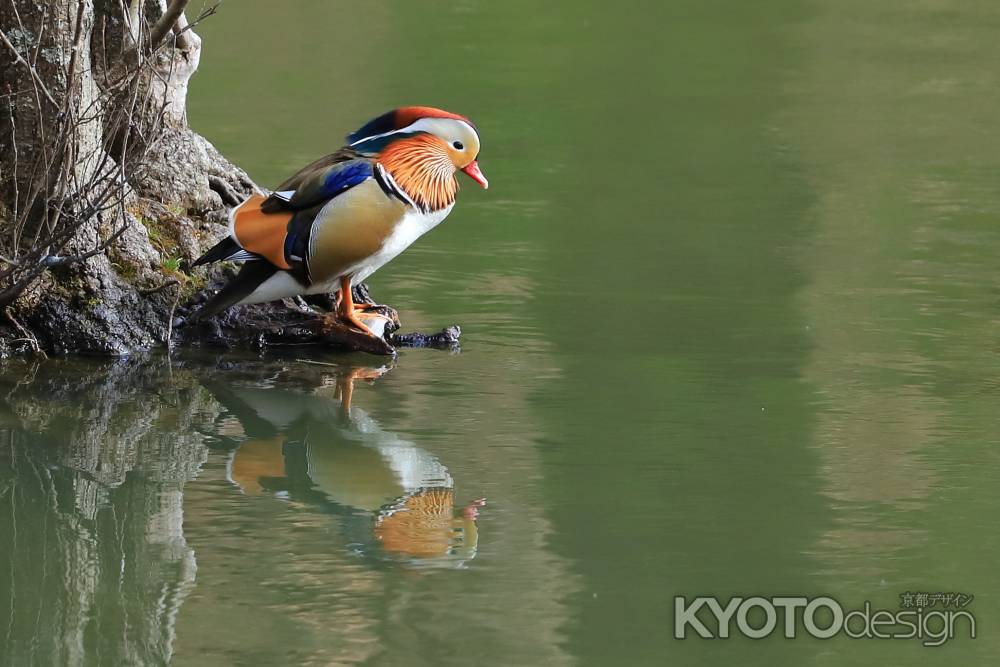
pixel 262 233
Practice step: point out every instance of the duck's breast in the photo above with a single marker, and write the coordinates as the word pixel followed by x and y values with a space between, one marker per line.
pixel 412 226
pixel 350 229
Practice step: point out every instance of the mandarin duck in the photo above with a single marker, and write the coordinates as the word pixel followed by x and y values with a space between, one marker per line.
pixel 341 218
pixel 355 465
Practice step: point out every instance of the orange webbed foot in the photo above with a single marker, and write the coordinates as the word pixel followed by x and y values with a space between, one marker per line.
pixel 352 320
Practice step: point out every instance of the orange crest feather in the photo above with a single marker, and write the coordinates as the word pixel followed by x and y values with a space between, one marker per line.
pixel 409 115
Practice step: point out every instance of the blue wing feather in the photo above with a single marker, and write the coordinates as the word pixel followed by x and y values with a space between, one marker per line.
pixel 329 183
pixel 347 176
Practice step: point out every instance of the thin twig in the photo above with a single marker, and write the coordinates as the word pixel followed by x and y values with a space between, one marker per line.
pixel 159 288
pixel 17 190
pixel 170 317
pixel 205 13
pixel 55 260
pixel 28 336
pixel 318 363
pixel 34 74
pixel 74 54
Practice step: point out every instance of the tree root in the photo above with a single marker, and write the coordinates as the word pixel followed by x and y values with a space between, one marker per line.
pixel 279 324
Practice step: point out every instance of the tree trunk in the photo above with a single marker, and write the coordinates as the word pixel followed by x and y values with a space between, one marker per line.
pixel 104 190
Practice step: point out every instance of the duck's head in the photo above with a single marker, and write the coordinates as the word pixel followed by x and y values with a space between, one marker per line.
pixel 446 134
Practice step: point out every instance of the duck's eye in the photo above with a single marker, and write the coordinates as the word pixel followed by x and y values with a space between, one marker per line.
pixel 458 145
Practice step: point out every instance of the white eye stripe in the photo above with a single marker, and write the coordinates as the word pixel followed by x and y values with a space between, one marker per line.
pixel 432 125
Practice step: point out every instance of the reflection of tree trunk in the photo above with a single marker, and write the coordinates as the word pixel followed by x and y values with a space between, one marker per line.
pixel 868 363
pixel 95 561
pixel 93 462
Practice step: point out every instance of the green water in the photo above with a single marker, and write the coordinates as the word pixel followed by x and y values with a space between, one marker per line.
pixel 730 315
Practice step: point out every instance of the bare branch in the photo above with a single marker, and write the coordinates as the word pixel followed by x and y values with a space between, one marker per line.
pixel 159 288
pixel 66 179
pixel 179 29
pixel 170 316
pixel 77 45
pixel 166 22
pixel 53 260
pixel 39 84
pixel 29 338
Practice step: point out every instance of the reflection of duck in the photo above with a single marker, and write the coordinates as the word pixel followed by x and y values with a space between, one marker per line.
pixel 318 447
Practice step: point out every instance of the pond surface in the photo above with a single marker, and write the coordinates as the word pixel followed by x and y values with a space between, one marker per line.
pixel 730 313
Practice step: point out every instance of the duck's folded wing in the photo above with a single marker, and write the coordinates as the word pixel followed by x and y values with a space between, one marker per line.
pixel 272 227
pixel 322 180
